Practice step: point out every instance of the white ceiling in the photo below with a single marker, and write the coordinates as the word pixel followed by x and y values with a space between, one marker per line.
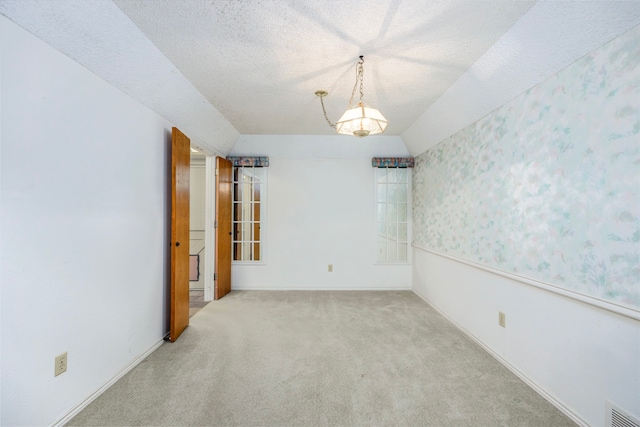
pixel 260 62
pixel 221 68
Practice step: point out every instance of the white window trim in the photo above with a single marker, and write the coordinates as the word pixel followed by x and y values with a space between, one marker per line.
pixel 263 225
pixel 409 219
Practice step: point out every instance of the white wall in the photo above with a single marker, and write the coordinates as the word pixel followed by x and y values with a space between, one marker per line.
pixel 501 235
pixel 320 211
pixel 577 354
pixel 84 229
pixel 98 35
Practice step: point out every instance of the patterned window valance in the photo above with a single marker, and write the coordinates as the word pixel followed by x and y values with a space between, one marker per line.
pixel 258 162
pixel 392 162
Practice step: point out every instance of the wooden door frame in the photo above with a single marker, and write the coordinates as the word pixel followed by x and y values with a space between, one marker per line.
pixel 208 269
pixel 209 225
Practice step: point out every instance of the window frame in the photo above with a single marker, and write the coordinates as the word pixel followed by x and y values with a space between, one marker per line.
pixel 263 216
pixel 409 220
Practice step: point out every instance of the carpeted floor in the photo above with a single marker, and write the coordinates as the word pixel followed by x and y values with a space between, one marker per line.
pixel 258 358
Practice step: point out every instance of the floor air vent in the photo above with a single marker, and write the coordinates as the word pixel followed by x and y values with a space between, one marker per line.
pixel 616 417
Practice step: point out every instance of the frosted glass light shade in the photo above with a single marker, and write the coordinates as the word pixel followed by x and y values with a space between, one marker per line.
pixel 361 121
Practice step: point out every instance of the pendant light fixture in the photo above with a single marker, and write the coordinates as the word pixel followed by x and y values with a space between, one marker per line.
pixel 359 120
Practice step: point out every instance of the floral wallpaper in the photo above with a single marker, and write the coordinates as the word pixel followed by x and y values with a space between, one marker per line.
pixel 548 185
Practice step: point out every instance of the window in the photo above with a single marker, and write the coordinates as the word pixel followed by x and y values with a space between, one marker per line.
pixel 249 191
pixel 392 214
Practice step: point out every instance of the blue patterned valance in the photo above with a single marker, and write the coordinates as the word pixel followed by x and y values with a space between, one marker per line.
pixel 392 162
pixel 245 161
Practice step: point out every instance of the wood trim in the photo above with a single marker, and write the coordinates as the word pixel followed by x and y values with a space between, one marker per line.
pixel 224 181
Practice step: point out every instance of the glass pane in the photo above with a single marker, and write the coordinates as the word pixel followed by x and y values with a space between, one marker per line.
pixel 382 193
pixel 392 231
pixel 249 228
pixel 402 252
pixel 237 253
pixel 256 231
pixel 402 212
pixel 236 211
pixel 382 175
pixel 382 212
pixel 256 252
pixel 382 229
pixel 392 212
pixel 402 232
pixel 392 195
pixel 236 231
pixel 391 175
pixel 401 175
pixel 402 193
pixel 257 188
pixel 255 208
pixel 392 248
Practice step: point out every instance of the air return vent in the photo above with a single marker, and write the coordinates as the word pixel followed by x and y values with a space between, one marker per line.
pixel 616 417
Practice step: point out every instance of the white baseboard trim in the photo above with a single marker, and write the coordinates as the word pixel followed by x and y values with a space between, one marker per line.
pixel 551 399
pixel 252 288
pixel 93 396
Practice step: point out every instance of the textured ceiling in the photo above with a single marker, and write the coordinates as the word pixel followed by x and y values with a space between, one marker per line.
pixel 99 36
pixel 218 68
pixel 260 62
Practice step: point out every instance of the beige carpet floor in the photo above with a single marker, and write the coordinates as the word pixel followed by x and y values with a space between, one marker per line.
pixel 285 358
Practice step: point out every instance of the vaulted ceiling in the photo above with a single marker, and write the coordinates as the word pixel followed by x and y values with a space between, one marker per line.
pixel 221 68
pixel 260 62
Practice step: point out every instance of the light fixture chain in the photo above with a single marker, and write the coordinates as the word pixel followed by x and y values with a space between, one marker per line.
pixel 361 75
pixel 325 112
pixel 353 92
pixel 359 72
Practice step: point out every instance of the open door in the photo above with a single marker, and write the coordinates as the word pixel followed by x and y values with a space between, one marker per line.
pixel 180 162
pixel 222 278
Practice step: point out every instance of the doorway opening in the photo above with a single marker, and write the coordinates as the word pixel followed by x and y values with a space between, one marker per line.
pixel 201 247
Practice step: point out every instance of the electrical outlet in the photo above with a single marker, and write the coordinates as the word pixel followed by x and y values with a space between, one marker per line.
pixel 330 269
pixel 61 364
pixel 502 319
